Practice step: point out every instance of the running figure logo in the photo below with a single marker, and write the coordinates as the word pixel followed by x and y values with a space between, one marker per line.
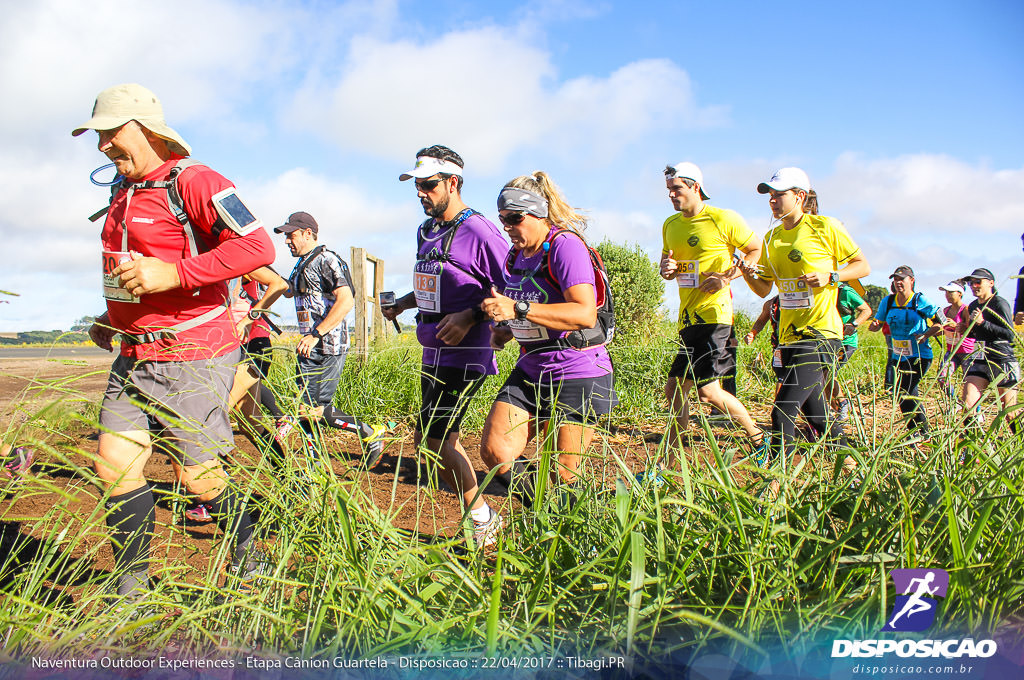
pixel 915 605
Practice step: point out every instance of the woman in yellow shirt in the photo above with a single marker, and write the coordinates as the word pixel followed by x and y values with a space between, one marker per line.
pixel 805 257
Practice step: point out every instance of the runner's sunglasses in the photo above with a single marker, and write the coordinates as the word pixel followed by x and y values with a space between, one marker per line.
pixel 512 219
pixel 428 185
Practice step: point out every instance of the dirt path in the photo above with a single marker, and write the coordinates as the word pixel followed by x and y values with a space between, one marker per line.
pixel 399 486
pixel 29 381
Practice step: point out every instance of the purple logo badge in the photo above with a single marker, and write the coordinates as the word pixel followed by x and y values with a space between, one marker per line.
pixel 916 603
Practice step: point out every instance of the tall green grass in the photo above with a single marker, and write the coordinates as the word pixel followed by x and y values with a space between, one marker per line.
pixel 712 556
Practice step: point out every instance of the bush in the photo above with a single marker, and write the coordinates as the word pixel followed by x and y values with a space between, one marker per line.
pixel 637 287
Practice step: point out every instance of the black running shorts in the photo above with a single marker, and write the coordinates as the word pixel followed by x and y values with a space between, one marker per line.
pixel 703 355
pixel 447 391
pixel 573 400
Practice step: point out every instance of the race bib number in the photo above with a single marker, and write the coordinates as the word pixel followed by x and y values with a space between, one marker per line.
pixel 795 294
pixel 305 318
pixel 901 348
pixel 777 358
pixel 112 289
pixel 526 331
pixel 428 291
pixel 688 274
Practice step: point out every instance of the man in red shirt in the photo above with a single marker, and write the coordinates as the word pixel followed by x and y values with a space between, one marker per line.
pixel 174 233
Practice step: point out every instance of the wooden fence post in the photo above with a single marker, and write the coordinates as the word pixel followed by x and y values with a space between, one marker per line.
pixel 359 280
pixel 367 292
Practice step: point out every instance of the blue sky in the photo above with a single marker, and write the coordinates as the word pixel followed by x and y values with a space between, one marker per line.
pixel 905 115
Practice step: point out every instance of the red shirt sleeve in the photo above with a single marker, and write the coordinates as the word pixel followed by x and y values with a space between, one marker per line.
pixel 232 255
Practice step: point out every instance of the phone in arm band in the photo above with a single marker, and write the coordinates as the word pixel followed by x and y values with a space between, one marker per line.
pixel 234 213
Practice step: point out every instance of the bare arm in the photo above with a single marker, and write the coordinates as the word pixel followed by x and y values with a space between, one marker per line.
pixel 863 314
pixel 760 322
pixel 579 310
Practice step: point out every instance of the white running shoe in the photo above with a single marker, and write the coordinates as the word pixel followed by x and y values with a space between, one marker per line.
pixel 486 533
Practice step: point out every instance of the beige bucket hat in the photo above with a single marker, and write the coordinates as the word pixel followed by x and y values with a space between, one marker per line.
pixel 119 104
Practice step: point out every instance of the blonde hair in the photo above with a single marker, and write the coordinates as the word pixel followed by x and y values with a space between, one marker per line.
pixel 560 213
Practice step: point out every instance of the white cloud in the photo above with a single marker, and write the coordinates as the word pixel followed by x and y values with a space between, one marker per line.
pixel 490 93
pixel 347 215
pixel 929 195
pixel 201 58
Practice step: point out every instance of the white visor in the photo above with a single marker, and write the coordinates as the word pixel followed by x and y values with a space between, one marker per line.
pixel 428 166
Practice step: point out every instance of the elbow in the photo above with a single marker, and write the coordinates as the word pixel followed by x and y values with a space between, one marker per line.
pixel 265 252
pixel 587 320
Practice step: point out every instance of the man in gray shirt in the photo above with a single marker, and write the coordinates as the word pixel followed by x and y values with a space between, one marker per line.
pixel 323 292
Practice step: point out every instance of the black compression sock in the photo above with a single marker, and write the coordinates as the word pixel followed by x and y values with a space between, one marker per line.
pixel 569 495
pixel 343 421
pixel 269 401
pixel 522 483
pixel 131 517
pixel 233 517
pixel 279 455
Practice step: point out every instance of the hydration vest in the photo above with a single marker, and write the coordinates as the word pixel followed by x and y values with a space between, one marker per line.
pixel 603 331
pixel 443 254
pixel 192 237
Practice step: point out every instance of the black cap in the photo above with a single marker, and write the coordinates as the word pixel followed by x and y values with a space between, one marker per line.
pixel 981 273
pixel 296 221
pixel 902 272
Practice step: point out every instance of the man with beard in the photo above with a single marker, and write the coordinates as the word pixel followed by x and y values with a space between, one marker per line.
pixel 460 256
pixel 323 292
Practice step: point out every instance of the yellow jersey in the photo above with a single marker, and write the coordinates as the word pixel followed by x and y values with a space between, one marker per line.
pixel 816 244
pixel 701 245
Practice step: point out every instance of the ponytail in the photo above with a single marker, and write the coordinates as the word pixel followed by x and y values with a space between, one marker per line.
pixel 560 213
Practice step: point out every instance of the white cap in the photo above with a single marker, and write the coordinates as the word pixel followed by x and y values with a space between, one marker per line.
pixel 428 166
pixel 687 170
pixel 785 179
pixel 953 287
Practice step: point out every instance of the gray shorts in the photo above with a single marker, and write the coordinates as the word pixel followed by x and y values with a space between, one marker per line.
pixel 318 376
pixel 183 403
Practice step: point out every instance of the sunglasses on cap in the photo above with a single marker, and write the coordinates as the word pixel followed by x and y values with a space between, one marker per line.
pixel 512 219
pixel 427 185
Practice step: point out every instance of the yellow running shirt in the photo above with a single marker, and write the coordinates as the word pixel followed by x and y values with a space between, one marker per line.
pixel 701 245
pixel 816 244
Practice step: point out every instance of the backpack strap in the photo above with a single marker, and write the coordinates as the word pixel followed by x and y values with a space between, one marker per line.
pixel 603 332
pixel 444 256
pixel 545 263
pixel 153 336
pixel 177 207
pixel 298 277
pixel 446 242
pixel 913 305
pixel 887 303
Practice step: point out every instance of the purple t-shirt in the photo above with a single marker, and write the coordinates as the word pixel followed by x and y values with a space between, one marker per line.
pixel 571 266
pixel 477 258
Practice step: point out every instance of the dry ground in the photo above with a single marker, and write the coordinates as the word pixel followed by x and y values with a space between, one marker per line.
pixel 401 485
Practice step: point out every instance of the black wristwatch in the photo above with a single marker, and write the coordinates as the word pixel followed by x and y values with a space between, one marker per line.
pixel 316 333
pixel 254 314
pixel 479 315
pixel 522 309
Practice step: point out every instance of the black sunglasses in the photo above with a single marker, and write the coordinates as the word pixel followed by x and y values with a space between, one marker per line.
pixel 428 185
pixel 512 219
